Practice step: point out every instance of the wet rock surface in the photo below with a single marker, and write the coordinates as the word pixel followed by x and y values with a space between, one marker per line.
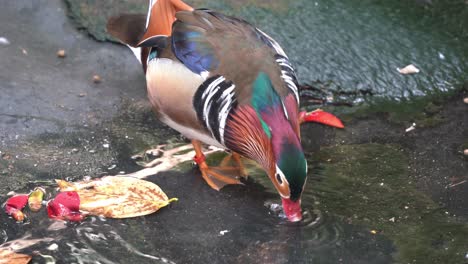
pixel 55 122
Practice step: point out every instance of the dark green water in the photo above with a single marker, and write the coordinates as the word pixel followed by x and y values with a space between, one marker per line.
pixel 349 47
pixel 356 46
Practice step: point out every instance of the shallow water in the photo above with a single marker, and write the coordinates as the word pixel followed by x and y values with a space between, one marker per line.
pixel 372 193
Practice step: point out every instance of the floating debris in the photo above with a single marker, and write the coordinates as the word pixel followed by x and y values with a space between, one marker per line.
pixel 96 78
pixel 4 41
pixel 35 199
pixel 61 53
pixel 8 256
pixel 374 232
pixel 465 152
pixel 106 145
pixel 409 69
pixel 465 100
pixel 25 52
pixel 52 247
pixel 82 95
pixel 223 232
pixel 392 219
pixel 411 128
pixel 441 56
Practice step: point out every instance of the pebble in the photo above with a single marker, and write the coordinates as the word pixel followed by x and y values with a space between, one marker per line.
pixel 96 78
pixel 61 53
pixel 409 69
pixel 4 41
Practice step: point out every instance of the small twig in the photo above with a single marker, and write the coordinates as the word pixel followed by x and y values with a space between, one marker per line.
pixel 458 183
pixel 169 160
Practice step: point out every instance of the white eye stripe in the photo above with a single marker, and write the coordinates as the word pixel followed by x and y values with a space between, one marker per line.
pixel 281 176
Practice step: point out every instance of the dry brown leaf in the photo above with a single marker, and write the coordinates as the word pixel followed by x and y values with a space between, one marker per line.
pixel 10 257
pixel 117 196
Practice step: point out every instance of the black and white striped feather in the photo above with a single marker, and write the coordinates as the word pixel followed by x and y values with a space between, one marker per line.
pixel 213 101
pixel 288 73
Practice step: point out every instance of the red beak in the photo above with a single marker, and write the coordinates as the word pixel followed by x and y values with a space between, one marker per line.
pixel 292 209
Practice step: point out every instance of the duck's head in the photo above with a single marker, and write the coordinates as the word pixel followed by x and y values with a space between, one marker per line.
pixel 267 130
pixel 290 173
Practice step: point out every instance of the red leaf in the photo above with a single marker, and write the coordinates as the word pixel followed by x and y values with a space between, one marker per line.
pixel 65 206
pixel 15 204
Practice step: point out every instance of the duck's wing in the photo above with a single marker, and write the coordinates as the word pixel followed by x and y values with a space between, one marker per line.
pixel 232 54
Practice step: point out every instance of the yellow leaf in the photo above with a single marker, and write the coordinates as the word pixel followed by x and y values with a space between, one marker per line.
pixel 10 257
pixel 117 196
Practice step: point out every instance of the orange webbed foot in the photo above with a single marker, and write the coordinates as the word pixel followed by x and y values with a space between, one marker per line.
pixel 320 116
pixel 220 176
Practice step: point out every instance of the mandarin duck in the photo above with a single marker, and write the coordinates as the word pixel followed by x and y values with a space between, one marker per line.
pixel 219 80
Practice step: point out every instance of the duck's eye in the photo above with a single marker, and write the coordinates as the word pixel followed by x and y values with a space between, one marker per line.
pixel 278 178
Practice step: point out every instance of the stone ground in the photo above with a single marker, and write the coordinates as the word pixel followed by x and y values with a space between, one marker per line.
pixel 55 122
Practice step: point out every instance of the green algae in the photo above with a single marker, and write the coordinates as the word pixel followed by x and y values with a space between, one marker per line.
pixel 421 110
pixel 369 185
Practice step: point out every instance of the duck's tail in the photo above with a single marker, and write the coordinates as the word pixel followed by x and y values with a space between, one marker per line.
pixel 135 30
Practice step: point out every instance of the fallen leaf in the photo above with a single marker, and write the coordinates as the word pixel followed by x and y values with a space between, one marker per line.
pixel 117 196
pixel 409 69
pixel 10 257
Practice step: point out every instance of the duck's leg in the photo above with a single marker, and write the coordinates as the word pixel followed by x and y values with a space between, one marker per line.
pixel 237 159
pixel 216 177
pixel 320 116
